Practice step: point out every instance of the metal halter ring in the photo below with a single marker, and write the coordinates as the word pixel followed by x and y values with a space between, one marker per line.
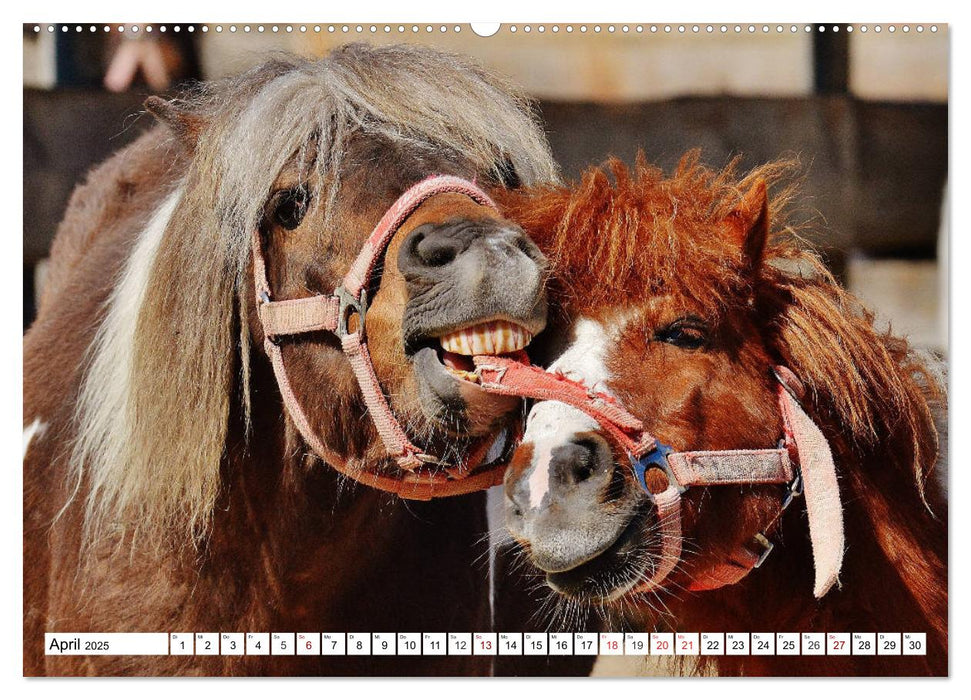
pixel 765 545
pixel 657 458
pixel 348 305
pixel 793 490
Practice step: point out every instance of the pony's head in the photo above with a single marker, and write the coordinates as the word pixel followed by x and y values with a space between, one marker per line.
pixel 310 155
pixel 675 303
pixel 455 279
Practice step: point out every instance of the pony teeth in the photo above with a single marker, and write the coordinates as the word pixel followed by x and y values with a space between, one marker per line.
pixel 493 338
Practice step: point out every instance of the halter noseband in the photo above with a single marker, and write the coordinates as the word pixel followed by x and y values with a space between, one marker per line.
pixel 803 462
pixel 333 313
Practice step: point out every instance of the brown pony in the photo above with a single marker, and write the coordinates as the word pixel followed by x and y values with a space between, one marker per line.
pixel 677 301
pixel 166 488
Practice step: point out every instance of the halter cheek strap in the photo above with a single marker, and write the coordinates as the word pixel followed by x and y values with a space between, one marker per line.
pixel 803 462
pixel 294 318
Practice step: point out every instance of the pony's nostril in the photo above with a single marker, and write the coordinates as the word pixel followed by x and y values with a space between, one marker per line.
pixel 436 253
pixel 435 246
pixel 577 462
pixel 586 464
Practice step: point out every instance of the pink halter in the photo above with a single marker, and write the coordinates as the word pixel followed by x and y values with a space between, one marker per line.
pixel 332 313
pixel 803 463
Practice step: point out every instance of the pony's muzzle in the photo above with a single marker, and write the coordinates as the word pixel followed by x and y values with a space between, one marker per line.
pixel 569 505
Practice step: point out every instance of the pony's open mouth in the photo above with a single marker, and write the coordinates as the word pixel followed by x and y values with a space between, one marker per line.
pixel 457 347
pixel 612 573
pixel 448 382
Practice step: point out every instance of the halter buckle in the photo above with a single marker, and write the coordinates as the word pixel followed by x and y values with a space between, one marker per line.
pixel 348 304
pixel 793 490
pixel 763 544
pixel 657 458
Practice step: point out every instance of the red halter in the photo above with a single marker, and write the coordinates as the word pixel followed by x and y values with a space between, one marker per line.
pixel 332 313
pixel 803 462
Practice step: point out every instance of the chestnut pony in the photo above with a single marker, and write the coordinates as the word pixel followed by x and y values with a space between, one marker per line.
pixel 167 487
pixel 678 297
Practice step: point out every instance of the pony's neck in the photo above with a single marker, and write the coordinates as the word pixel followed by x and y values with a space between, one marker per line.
pixel 325 552
pixel 271 453
pixel 280 496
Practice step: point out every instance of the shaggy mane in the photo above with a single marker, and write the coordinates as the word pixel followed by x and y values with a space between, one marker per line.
pixel 632 229
pixel 153 414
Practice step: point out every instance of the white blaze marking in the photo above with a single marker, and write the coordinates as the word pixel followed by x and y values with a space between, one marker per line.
pixel 553 423
pixel 36 428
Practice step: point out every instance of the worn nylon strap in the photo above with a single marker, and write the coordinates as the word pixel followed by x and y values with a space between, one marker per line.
pixel 727 467
pixel 764 467
pixel 715 468
pixel 668 504
pixel 727 573
pixel 506 376
pixel 743 560
pixel 395 441
pixel 503 375
pixel 297 316
pixel 294 408
pixel 357 279
pixel 821 490
pixel 421 486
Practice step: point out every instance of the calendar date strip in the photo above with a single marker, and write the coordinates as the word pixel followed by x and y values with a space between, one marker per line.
pixel 486 644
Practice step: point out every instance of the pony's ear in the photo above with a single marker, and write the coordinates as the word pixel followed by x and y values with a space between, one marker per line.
pixel 181 122
pixel 748 224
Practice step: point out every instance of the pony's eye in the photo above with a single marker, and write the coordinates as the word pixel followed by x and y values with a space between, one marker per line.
pixel 686 333
pixel 291 206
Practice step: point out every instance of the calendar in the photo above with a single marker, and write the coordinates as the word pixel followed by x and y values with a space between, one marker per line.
pixel 543 348
pixel 487 644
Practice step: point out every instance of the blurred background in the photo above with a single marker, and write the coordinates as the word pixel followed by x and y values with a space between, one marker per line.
pixel 866 113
